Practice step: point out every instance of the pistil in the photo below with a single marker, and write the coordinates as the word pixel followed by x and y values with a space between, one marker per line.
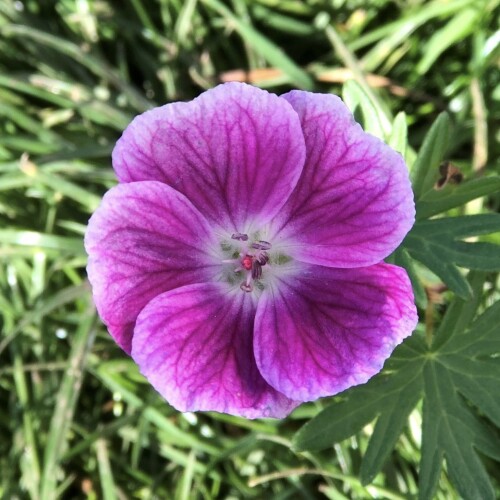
pixel 251 260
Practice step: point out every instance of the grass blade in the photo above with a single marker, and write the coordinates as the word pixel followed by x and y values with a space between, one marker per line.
pixel 65 405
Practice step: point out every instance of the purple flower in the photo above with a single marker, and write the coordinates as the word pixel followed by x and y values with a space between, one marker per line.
pixel 239 259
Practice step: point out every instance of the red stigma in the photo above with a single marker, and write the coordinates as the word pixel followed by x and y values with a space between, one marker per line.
pixel 246 262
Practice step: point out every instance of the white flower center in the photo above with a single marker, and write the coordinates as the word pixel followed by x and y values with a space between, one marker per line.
pixel 251 260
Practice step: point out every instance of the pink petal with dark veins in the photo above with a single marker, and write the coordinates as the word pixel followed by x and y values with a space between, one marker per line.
pixel 195 345
pixel 353 204
pixel 324 330
pixel 236 152
pixel 144 239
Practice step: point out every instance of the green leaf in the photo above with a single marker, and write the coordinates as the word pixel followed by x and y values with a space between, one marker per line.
pixel 478 386
pixel 25 122
pixel 461 312
pixel 458 378
pixel 59 184
pixel 481 339
pixel 287 24
pixel 431 465
pixel 105 472
pixel 460 26
pixel 374 121
pixel 389 426
pixel 436 243
pixel 95 64
pixel 360 406
pixel 437 201
pixel 392 35
pixel 446 417
pixel 40 240
pixel 185 484
pixel 402 258
pixel 67 398
pixel 264 46
pixel 104 114
pixel 348 58
pixel 398 139
pixel 172 434
pixel 425 170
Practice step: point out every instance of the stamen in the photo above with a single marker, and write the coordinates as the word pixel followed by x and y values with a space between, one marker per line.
pixel 239 236
pixel 247 286
pixel 256 270
pixel 251 260
pixel 261 245
pixel 262 258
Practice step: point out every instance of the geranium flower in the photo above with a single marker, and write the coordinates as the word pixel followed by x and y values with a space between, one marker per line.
pixel 239 259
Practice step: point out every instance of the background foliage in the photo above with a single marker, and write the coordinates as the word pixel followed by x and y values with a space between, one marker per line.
pixel 76 418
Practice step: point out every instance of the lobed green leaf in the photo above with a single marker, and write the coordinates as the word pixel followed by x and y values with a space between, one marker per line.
pixel 436 243
pixel 438 201
pixel 459 367
pixel 425 170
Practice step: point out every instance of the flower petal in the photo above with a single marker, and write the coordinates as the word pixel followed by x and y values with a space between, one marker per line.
pixel 353 204
pixel 236 152
pixel 144 239
pixel 194 344
pixel 326 329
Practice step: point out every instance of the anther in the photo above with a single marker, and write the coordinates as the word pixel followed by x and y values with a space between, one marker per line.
pixel 256 270
pixel 261 245
pixel 262 258
pixel 252 258
pixel 239 236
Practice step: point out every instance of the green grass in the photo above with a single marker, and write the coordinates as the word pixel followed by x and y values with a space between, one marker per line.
pixel 76 418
